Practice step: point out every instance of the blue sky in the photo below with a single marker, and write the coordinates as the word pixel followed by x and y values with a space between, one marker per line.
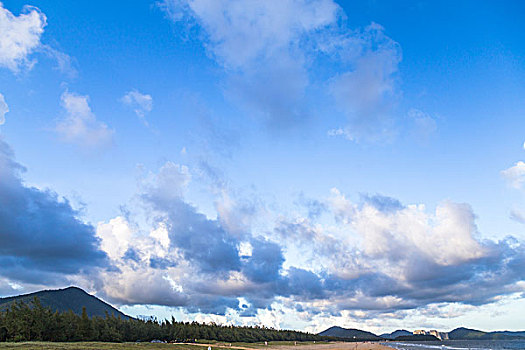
pixel 297 163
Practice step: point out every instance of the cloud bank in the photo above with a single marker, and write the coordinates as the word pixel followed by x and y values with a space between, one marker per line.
pixel 374 256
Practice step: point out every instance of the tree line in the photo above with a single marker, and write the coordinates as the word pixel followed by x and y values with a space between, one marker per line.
pixel 34 322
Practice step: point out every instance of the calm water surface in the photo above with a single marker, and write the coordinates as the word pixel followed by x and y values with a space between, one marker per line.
pixel 460 345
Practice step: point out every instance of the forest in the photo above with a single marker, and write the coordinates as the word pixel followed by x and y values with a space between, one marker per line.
pixel 34 322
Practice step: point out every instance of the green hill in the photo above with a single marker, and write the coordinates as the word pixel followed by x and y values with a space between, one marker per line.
pixel 471 334
pixel 395 334
pixel 349 334
pixel 71 298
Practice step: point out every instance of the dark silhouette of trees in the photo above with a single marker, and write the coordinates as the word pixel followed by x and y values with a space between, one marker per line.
pixel 33 322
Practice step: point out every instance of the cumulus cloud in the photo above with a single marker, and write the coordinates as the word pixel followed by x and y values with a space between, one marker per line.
pixel 515 175
pixel 192 261
pixel 142 104
pixel 269 51
pixel 115 237
pixel 4 108
pixel 20 37
pixel 80 125
pixel 42 239
pixel 407 258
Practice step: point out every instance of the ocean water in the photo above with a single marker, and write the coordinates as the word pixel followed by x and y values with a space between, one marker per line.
pixel 460 345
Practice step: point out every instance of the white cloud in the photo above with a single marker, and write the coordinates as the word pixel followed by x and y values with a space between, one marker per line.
pixel 4 108
pixel 367 93
pixel 169 183
pixel 446 237
pixel 515 175
pixel 141 103
pixel 65 64
pixel 259 45
pixel 270 50
pixel 241 33
pixel 20 37
pixel 517 215
pixel 80 125
pixel 115 237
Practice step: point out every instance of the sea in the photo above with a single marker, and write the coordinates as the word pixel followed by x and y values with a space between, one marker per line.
pixel 460 345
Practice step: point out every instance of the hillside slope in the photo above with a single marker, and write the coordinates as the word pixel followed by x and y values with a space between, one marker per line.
pixel 473 334
pixel 346 333
pixel 71 298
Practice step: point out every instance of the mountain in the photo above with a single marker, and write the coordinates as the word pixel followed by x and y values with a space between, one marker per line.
pixel 465 333
pixel 71 298
pixel 395 334
pixel 345 333
pixel 468 334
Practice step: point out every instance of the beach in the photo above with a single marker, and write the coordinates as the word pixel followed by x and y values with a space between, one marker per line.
pixel 192 346
pixel 336 346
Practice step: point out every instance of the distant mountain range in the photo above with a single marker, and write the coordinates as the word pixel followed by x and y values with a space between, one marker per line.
pixel 62 300
pixel 404 335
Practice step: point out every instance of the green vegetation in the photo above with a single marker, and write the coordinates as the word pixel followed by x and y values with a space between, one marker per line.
pixel 93 346
pixel 34 322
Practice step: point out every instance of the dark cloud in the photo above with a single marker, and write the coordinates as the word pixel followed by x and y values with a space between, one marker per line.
pixel 314 207
pixel 305 283
pixel 131 254
pixel 265 263
pixel 41 235
pixel 212 304
pixel 203 242
pixel 156 262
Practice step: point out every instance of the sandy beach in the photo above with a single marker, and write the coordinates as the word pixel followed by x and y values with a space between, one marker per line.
pixel 336 346
pixel 299 346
